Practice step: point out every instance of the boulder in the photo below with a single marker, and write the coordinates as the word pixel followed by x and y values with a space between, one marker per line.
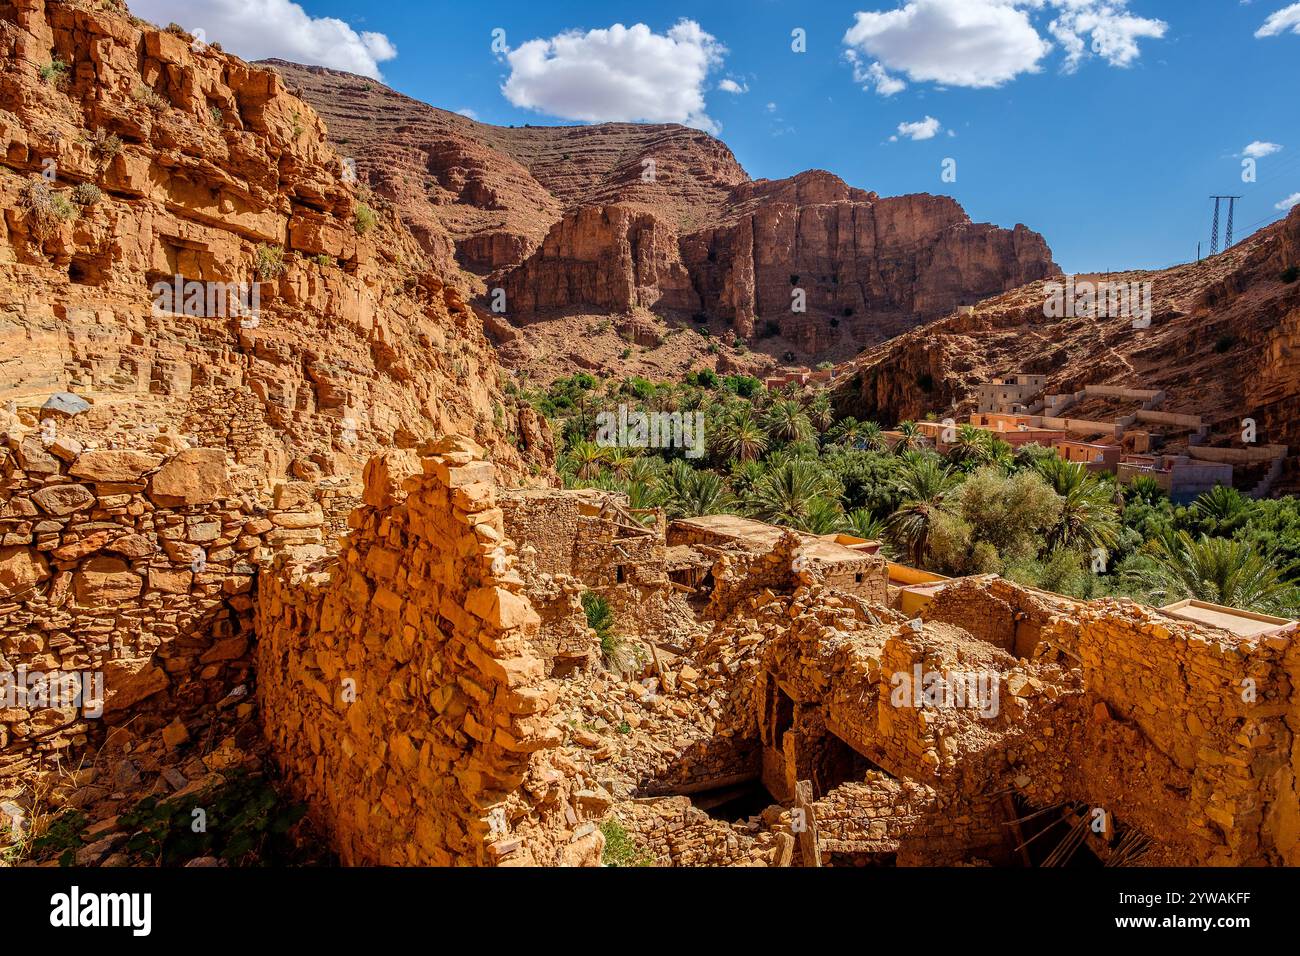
pixel 196 476
pixel 66 404
pixel 114 466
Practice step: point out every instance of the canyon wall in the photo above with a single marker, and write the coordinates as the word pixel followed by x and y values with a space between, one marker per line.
pixel 1221 345
pixel 133 159
pixel 617 217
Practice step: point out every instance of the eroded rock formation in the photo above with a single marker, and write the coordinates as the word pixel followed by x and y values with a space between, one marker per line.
pixel 1221 344
pixel 134 159
pixel 616 217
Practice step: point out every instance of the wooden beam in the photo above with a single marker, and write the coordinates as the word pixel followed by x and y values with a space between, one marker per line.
pixel 809 841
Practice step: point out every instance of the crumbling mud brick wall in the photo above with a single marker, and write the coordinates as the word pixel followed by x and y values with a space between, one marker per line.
pixel 1004 614
pixel 1221 710
pixel 398 689
pixel 671 831
pixel 136 565
pixel 1181 731
pixel 591 536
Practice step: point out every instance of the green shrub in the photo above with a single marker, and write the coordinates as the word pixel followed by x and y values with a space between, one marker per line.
pixel 621 849
pixel 86 194
pixel 104 146
pixel 55 73
pixel 363 219
pixel 148 97
pixel 215 114
pixel 269 263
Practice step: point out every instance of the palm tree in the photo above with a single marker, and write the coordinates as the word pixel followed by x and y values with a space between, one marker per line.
pixel 1089 518
pixel 620 462
pixel 738 434
pixel 825 516
pixel 1221 505
pixel 972 446
pixel 642 497
pixel 587 458
pixel 910 438
pixel 644 469
pixel 1002 454
pixel 864 524
pixel 1144 489
pixel 786 421
pixel 924 485
pixel 744 476
pixel 789 492
pixel 867 436
pixel 1219 571
pixel 820 413
pixel 687 493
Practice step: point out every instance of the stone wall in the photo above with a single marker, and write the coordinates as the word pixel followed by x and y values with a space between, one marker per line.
pixel 398 689
pixel 137 565
pixel 1222 710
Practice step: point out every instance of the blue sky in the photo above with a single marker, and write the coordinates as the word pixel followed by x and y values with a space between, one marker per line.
pixel 1103 124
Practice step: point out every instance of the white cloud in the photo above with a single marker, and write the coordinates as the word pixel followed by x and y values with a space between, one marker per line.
pixel 1288 18
pixel 1258 150
pixel 467 112
pixel 275 28
pixel 617 74
pixel 731 86
pixel 771 107
pixel 874 75
pixel 927 128
pixel 1288 202
pixel 1113 30
pixel 987 43
pixel 977 43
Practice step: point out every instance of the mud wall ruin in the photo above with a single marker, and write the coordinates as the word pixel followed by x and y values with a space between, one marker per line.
pixel 399 688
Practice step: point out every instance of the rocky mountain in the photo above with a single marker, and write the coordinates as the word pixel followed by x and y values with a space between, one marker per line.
pixel 1223 343
pixel 134 160
pixel 635 219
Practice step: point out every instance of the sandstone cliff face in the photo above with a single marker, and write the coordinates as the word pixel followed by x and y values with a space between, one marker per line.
pixel 488 195
pixel 166 158
pixel 532 211
pixel 874 266
pixel 1222 343
pixel 611 257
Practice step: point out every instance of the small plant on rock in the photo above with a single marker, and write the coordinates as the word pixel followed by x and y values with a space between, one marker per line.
pixel 148 97
pixel 621 849
pixel 614 650
pixel 269 263
pixel 45 209
pixel 363 219
pixel 86 194
pixel 55 73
